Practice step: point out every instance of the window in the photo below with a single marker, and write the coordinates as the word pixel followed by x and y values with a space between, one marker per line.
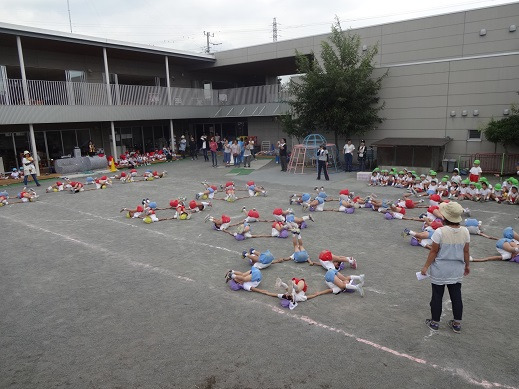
pixel 474 135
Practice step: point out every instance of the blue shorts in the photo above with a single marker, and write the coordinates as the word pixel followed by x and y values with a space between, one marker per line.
pixel 301 256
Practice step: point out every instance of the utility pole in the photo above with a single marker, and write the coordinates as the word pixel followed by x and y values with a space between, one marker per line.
pixel 274 30
pixel 69 17
pixel 209 35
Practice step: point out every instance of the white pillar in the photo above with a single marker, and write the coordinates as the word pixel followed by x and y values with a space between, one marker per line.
pixel 33 149
pixel 107 78
pixel 172 135
pixel 168 84
pixel 22 70
pixel 114 143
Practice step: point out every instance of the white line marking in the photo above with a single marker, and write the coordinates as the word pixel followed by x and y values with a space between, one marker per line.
pixel 459 372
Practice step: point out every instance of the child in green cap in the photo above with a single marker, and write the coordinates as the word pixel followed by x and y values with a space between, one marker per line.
pixel 475 171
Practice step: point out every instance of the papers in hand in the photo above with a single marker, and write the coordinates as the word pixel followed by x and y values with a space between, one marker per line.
pixel 420 276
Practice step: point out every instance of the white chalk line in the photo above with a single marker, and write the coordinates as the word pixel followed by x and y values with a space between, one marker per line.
pixel 459 372
pixel 143 228
pixel 136 264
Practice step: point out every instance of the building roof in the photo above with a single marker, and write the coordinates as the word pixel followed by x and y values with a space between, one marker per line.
pixel 24 31
pixel 394 142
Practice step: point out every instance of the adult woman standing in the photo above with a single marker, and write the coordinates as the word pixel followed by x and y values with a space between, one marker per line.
pixel 361 153
pixel 226 152
pixel 348 156
pixel 213 146
pixel 235 150
pixel 91 148
pixel 182 146
pixel 447 263
pixel 192 148
pixel 246 154
pixel 322 162
pixel 29 168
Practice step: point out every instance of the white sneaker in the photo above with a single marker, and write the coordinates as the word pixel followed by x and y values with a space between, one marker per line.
pixel 360 290
pixel 361 279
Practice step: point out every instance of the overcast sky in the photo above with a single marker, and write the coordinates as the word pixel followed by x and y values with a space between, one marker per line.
pixel 181 24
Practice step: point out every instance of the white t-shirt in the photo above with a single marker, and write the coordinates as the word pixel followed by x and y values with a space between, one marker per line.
pixel 348 149
pixel 28 166
pixel 476 170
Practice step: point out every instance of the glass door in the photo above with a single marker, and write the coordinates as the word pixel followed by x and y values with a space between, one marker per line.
pixel 75 86
pixel 4 90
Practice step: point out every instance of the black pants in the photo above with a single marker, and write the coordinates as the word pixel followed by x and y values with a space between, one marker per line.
pixel 321 166
pixel 283 160
pixel 437 299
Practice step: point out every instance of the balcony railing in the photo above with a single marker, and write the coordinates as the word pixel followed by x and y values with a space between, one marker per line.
pixel 95 94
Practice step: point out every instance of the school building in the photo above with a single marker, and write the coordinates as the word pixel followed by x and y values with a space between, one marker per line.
pixel 448 76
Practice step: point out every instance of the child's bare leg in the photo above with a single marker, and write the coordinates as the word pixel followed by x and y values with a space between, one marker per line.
pixel 279 260
pixel 488 236
pixel 262 291
pixel 326 291
pixel 492 258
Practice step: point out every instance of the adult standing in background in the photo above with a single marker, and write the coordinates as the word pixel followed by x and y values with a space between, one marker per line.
pixel 192 148
pixel 361 152
pixel 226 152
pixel 91 148
pixel 182 146
pixel 246 154
pixel 283 154
pixel 217 140
pixel 252 149
pixel 235 150
pixel 322 162
pixel 204 147
pixel 242 148
pixel 348 155
pixel 29 168
pixel 213 146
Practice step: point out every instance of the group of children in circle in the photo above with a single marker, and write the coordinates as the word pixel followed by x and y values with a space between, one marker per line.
pixel 475 187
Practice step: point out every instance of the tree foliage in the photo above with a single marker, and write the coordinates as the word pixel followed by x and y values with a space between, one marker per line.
pixel 504 131
pixel 293 126
pixel 337 93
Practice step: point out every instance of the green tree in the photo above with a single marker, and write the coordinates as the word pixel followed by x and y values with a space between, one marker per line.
pixel 504 131
pixel 293 126
pixel 338 93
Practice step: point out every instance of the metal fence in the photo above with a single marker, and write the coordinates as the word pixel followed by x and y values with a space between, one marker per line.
pixel 493 163
pixel 41 92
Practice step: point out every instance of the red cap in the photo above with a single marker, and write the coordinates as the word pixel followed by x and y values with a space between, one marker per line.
pixel 123 174
pixel 278 211
pixel 133 171
pixel 140 208
pixel 173 203
pixel 436 224
pixel 226 219
pixel 296 280
pixel 229 183
pixel 409 203
pixel 253 213
pixel 435 197
pixel 155 173
pixel 344 192
pixel 192 204
pixel 249 183
pixel 432 208
pixel 325 255
pixel 214 187
pixel 275 224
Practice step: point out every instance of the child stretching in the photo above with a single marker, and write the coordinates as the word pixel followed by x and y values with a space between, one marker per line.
pixel 328 260
pixel 507 247
pixel 258 259
pixel 295 293
pixel 248 280
pixel 474 227
pixel 339 283
pixel 219 224
pixel 424 237
pixel 300 254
